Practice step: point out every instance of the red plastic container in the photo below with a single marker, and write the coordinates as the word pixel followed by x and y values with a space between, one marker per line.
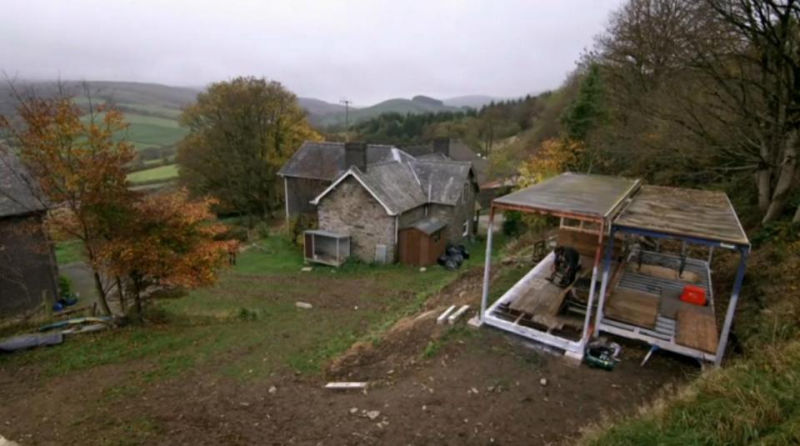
pixel 694 295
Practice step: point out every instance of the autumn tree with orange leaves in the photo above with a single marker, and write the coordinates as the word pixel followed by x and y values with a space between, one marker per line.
pixel 170 241
pixel 80 170
pixel 80 166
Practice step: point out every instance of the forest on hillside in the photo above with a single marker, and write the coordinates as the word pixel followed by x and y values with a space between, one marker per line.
pixel 703 94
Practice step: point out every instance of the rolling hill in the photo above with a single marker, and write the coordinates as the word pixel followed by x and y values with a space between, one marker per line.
pixel 416 105
pixel 163 103
pixel 471 101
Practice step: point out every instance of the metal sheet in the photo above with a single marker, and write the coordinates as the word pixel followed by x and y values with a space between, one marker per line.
pixel 694 213
pixel 593 196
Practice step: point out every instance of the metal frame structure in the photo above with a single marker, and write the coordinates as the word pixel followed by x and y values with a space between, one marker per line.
pixel 633 332
pixel 571 348
pixel 698 217
pixel 692 216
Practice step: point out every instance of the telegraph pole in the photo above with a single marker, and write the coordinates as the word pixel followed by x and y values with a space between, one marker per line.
pixel 346 103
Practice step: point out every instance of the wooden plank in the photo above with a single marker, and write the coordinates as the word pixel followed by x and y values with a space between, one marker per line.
pixel 346 385
pixel 697 329
pixel 443 317
pixel 585 243
pixel 454 317
pixel 667 273
pixel 541 296
pixel 633 307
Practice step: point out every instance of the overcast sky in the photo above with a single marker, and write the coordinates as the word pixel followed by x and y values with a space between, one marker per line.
pixel 364 50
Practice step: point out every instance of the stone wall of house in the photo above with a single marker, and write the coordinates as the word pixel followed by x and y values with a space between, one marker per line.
pixel 465 210
pixel 299 193
pixel 350 209
pixel 456 216
pixel 27 266
pixel 407 218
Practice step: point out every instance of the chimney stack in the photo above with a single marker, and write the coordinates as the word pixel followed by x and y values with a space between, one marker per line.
pixel 442 145
pixel 355 154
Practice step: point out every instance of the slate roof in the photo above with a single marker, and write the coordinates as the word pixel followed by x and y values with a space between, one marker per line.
pixel 16 188
pixel 442 180
pixel 428 225
pixel 457 151
pixel 326 160
pixel 403 185
pixel 394 184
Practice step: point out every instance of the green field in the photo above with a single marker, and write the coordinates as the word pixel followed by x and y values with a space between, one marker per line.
pixel 69 251
pixel 157 127
pixel 156 174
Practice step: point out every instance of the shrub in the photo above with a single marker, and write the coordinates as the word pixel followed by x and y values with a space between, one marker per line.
pixel 64 286
pixel 513 224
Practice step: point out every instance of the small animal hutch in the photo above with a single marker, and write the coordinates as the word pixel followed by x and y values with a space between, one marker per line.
pixel 325 247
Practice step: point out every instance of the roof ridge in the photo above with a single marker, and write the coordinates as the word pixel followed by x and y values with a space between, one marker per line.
pixel 441 161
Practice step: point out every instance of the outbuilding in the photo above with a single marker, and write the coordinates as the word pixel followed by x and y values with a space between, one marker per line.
pixel 422 243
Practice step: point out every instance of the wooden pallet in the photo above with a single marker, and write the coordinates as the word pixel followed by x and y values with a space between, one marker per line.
pixel 697 329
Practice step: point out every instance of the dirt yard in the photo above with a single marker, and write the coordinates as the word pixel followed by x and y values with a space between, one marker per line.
pixel 429 384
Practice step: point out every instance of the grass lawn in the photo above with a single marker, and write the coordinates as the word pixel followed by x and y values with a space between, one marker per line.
pixel 68 251
pixel 161 173
pixel 248 327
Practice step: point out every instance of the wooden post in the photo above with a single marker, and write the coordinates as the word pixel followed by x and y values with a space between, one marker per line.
pixel 487 268
pixel 597 256
pixel 601 301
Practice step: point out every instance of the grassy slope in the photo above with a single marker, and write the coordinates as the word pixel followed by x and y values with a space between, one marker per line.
pixel 156 174
pixel 247 316
pixel 756 397
pixel 146 131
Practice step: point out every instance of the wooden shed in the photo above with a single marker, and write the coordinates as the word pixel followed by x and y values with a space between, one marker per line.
pixel 423 242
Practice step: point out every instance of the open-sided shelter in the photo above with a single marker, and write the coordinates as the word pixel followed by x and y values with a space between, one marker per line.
pixel 644 299
pixel 535 307
pixel 645 294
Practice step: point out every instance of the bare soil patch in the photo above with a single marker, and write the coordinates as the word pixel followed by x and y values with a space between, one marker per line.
pixel 429 384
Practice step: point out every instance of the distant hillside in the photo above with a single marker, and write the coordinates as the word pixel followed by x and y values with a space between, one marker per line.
pixel 318 107
pixel 417 105
pixel 140 100
pixel 131 97
pixel 472 101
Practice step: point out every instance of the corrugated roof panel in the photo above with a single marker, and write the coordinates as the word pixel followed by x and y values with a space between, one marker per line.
pixel 689 212
pixel 593 196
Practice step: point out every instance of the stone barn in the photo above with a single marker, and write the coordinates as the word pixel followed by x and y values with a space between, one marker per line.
pixel 28 272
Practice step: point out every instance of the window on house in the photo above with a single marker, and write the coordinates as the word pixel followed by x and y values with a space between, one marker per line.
pixel 437 236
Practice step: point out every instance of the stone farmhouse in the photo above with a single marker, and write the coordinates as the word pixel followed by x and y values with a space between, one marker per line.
pixel 389 205
pixel 27 263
